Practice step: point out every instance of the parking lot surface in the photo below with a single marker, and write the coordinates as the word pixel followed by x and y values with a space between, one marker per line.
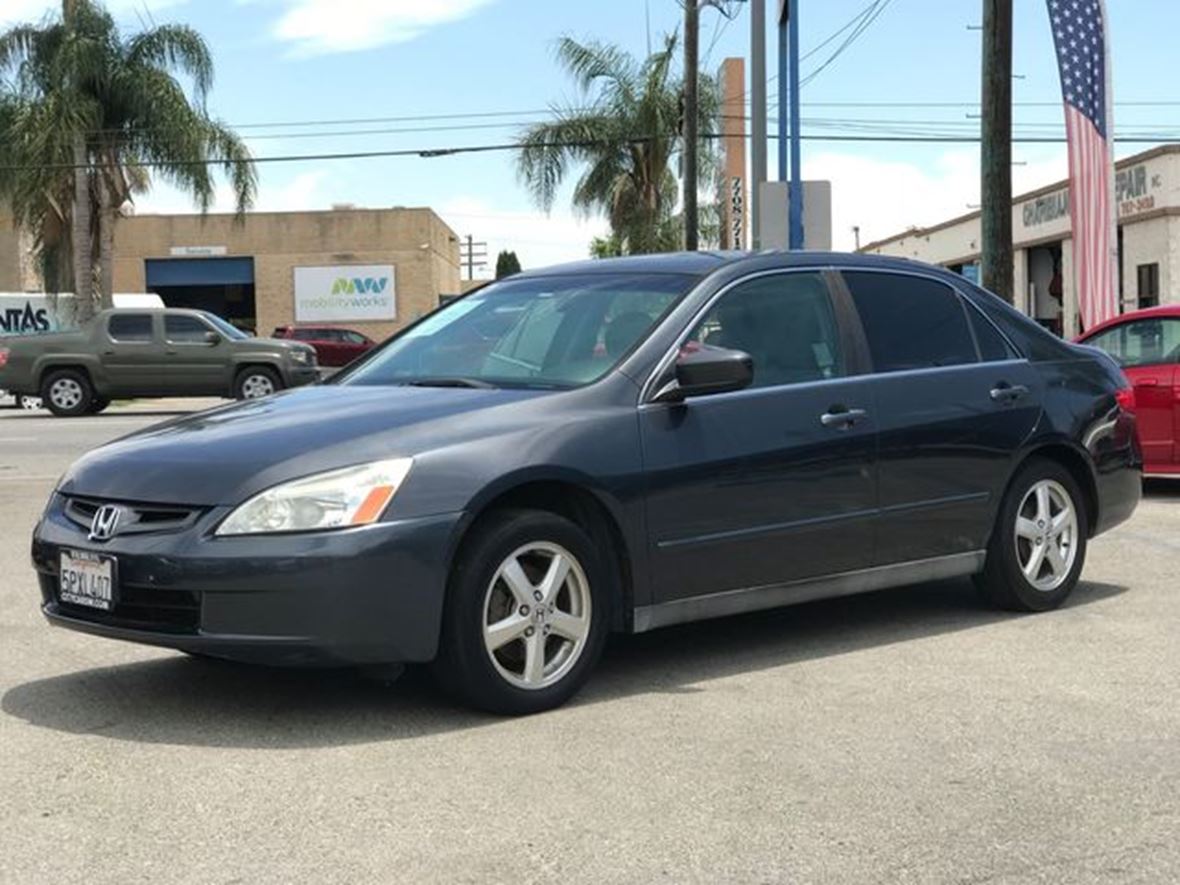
pixel 911 735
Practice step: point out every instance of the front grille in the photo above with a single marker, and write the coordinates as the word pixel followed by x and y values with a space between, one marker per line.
pixel 141 608
pixel 135 519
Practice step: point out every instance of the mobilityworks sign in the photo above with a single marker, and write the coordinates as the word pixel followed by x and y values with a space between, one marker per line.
pixel 346 293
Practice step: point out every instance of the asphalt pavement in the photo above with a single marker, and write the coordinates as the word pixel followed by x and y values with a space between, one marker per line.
pixel 906 736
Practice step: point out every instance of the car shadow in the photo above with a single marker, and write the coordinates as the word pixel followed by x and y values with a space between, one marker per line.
pixel 1161 487
pixel 194 702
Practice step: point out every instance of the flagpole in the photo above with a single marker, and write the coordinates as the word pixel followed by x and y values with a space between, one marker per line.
pixel 1115 257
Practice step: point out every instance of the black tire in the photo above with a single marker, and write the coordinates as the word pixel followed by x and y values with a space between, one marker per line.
pixel 466 668
pixel 98 404
pixel 1003 581
pixel 73 390
pixel 251 377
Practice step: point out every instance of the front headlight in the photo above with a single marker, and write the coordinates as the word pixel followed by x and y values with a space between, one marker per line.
pixel 336 499
pixel 306 357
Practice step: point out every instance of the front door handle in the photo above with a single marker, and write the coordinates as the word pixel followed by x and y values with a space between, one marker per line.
pixel 841 418
pixel 1147 382
pixel 1008 393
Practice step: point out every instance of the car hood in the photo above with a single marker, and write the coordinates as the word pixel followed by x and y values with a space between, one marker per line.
pixel 226 454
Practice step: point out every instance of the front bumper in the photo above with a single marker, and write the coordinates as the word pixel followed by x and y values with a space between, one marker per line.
pixel 366 595
pixel 298 375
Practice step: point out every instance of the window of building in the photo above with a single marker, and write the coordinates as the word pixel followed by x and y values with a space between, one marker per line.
pixel 1142 342
pixel 130 327
pixel 911 322
pixel 185 330
pixel 1149 284
pixel 784 322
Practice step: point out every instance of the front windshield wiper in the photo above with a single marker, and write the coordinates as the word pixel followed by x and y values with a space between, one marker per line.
pixel 450 381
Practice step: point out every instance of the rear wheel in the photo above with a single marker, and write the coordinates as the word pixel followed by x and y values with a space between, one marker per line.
pixel 98 404
pixel 1038 547
pixel 527 614
pixel 29 403
pixel 256 382
pixel 67 393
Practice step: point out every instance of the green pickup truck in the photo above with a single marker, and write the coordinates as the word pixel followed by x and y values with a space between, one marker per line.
pixel 149 353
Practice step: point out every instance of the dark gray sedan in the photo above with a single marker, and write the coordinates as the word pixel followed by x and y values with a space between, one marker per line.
pixel 608 446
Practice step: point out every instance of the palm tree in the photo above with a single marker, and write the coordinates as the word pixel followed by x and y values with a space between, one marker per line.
pixel 627 135
pixel 85 112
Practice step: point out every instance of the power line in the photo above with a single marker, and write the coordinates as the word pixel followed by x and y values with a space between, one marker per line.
pixel 433 153
pixel 865 24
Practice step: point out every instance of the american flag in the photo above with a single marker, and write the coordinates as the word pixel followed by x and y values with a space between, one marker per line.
pixel 1083 56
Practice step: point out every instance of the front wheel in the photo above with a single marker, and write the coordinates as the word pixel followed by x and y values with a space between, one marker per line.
pixel 29 403
pixel 67 393
pixel 256 382
pixel 528 609
pixel 1038 546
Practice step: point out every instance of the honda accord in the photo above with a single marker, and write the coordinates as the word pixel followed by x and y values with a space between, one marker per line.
pixel 607 446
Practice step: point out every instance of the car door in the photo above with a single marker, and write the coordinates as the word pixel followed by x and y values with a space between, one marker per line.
pixel 955 402
pixel 354 345
pixel 195 364
pixel 1148 350
pixel 771 484
pixel 132 354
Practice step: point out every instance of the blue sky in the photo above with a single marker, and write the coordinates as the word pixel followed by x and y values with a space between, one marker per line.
pixel 303 60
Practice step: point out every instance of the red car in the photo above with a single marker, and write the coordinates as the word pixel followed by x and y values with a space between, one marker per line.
pixel 1146 344
pixel 334 347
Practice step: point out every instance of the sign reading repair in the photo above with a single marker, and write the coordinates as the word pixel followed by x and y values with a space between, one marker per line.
pixel 345 293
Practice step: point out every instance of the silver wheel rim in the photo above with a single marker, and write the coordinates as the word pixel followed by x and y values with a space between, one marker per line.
pixel 536 615
pixel 1046 535
pixel 30 403
pixel 65 393
pixel 255 386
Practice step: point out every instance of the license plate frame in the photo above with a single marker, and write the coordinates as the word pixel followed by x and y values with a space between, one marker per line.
pixel 88 579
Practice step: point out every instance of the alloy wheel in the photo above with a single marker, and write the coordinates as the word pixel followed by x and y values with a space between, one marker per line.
pixel 1046 535
pixel 66 394
pixel 257 386
pixel 536 615
pixel 31 403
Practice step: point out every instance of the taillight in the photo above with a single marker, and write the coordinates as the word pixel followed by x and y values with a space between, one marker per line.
pixel 1126 398
pixel 3 357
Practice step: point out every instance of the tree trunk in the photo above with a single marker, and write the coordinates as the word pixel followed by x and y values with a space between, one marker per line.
pixel 106 246
pixel 81 234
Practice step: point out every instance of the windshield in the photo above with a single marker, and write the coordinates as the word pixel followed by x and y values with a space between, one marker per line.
pixel 560 331
pixel 223 327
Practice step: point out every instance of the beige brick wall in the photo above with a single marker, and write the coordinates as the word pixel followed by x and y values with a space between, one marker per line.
pixel 422 249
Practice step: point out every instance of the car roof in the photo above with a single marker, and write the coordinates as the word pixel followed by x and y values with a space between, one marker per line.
pixel 1163 310
pixel 704 263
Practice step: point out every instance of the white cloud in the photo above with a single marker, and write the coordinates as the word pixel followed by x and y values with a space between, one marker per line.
pixel 317 27
pixel 537 239
pixel 885 197
pixel 12 11
pixel 303 192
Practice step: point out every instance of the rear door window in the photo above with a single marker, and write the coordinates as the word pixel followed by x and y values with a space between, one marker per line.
pixel 185 330
pixel 993 347
pixel 911 322
pixel 130 327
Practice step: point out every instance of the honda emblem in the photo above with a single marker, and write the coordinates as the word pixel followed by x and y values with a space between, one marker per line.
pixel 105 522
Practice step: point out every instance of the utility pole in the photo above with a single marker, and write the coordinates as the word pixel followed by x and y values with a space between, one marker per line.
pixel 856 235
pixel 757 118
pixel 996 271
pixel 788 25
pixel 692 34
pixel 472 255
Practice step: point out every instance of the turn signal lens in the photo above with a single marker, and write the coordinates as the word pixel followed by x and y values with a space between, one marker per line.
pixel 337 499
pixel 1126 398
pixel 4 351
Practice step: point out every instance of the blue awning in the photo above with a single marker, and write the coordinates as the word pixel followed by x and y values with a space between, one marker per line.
pixel 199 272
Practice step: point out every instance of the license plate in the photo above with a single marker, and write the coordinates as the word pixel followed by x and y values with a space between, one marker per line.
pixel 87 579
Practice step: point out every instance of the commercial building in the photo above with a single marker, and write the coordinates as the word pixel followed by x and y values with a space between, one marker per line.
pixel 372 269
pixel 1147 193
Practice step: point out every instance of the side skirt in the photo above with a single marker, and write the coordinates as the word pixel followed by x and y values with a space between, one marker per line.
pixel 735 602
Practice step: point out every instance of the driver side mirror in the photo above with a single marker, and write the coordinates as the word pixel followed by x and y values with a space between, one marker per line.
pixel 706 370
pixel 212 338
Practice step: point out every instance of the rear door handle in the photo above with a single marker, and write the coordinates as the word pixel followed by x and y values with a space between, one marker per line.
pixel 842 418
pixel 1147 382
pixel 1008 393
